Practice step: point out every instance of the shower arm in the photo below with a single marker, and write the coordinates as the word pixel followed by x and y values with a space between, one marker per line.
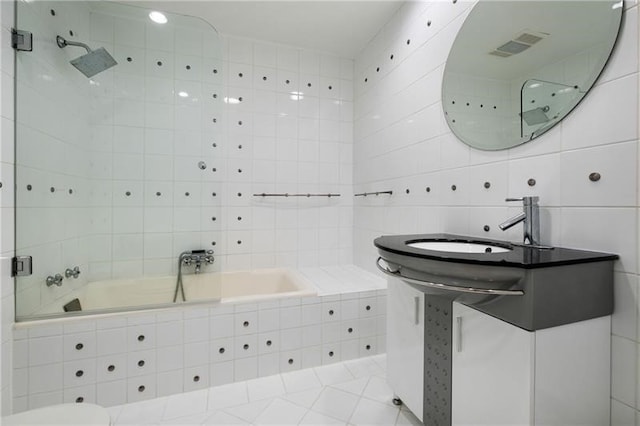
pixel 62 42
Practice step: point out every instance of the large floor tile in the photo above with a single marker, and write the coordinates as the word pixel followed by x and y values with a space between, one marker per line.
pixel 249 412
pixel 222 418
pixel 381 360
pixel 305 398
pixel 144 412
pixel 228 396
pixel 333 373
pixel 336 403
pixel 364 367
pixel 313 418
pixel 281 412
pixel 196 419
pixel 185 404
pixel 265 387
pixel 297 381
pixel 407 418
pixel 370 412
pixel 355 387
pixel 378 390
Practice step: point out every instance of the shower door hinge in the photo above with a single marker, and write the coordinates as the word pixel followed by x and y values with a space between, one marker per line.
pixel 21 266
pixel 21 40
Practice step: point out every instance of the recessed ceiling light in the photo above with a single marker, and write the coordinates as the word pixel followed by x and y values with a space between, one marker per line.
pixel 158 17
pixel 183 94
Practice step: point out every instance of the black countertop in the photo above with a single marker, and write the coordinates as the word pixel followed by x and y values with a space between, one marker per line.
pixel 520 256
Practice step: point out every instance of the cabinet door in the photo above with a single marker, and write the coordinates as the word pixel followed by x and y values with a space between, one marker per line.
pixel 405 344
pixel 492 370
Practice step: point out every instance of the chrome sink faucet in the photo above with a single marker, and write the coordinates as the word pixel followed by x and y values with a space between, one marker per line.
pixel 530 216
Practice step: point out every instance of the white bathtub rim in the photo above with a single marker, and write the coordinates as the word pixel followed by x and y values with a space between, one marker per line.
pixel 308 290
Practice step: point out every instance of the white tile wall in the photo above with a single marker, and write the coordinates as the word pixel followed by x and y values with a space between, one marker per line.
pixel 601 135
pixel 287 145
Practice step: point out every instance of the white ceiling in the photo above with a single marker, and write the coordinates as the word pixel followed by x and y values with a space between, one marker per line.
pixel 339 27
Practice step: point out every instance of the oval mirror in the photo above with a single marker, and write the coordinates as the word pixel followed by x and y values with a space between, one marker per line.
pixel 517 68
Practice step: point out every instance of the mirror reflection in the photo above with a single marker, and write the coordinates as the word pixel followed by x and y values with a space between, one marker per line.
pixel 517 68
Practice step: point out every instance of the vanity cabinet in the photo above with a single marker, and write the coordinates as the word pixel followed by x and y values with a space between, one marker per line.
pixel 507 334
pixel 504 375
pixel 405 344
pixel 501 374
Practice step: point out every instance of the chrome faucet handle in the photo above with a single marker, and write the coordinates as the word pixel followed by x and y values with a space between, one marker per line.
pixel 57 280
pixel 533 199
pixel 530 217
pixel 72 272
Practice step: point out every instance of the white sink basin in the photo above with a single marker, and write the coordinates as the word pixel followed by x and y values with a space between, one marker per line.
pixel 458 247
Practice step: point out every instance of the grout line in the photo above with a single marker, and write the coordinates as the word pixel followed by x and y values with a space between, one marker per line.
pixel 265 408
pixel 353 411
pixel 222 411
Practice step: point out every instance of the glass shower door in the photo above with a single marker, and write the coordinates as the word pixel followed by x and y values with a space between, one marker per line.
pixel 113 161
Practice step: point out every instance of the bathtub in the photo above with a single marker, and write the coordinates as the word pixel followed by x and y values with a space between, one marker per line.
pixel 131 343
pixel 157 292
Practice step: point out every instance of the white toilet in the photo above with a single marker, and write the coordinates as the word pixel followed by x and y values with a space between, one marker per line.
pixel 62 414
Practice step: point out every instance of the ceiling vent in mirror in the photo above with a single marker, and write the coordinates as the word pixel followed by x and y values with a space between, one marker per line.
pixel 518 44
pixel 499 53
pixel 529 38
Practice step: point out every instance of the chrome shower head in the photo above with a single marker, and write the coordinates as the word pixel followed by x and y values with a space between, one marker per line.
pixel 91 63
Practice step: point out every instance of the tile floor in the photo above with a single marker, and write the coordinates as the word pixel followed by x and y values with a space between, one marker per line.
pixel 348 393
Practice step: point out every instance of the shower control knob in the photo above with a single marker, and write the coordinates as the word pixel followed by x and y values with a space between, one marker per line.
pixel 57 280
pixel 72 272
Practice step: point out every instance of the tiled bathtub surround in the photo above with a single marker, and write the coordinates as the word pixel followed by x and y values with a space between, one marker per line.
pixel 130 357
pixel 402 143
pixel 183 131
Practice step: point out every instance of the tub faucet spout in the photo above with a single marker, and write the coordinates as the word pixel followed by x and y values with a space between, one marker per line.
pixel 188 258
